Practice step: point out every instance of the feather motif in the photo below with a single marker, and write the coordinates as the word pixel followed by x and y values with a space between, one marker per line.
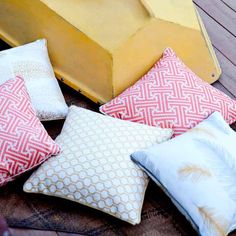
pixel 223 164
pixel 194 172
pixel 212 223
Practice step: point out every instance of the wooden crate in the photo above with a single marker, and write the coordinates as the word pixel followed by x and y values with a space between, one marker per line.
pixel 102 47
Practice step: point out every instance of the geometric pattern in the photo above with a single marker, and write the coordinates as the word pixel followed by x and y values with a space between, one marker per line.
pixel 170 95
pixel 94 168
pixel 31 62
pixel 24 143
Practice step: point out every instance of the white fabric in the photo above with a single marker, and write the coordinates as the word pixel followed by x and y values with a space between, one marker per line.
pixel 198 172
pixel 94 167
pixel 31 62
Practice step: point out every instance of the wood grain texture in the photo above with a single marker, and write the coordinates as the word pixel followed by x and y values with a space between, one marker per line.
pixel 230 3
pixel 221 39
pixel 220 12
pixel 228 77
pixel 220 22
pixel 221 87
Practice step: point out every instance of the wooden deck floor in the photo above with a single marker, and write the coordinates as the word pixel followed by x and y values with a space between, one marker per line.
pixel 219 17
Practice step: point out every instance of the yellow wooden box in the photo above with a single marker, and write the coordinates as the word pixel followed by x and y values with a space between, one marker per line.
pixel 101 47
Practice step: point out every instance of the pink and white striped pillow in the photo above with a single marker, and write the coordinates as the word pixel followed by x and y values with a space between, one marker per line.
pixel 170 95
pixel 24 143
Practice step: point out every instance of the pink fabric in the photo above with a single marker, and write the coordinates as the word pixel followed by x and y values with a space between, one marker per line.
pixel 170 95
pixel 24 143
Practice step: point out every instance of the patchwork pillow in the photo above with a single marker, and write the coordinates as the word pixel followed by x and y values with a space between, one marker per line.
pixel 24 143
pixel 170 95
pixel 31 62
pixel 197 170
pixel 94 167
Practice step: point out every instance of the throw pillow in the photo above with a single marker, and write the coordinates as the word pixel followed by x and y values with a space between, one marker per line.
pixel 197 170
pixel 94 168
pixel 170 95
pixel 31 62
pixel 24 143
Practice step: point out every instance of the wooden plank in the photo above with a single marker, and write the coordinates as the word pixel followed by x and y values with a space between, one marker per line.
pixel 29 232
pixel 229 85
pixel 221 39
pixel 230 3
pixel 228 77
pixel 220 12
pixel 219 86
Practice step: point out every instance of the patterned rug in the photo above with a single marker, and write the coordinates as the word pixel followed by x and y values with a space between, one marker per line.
pixel 159 216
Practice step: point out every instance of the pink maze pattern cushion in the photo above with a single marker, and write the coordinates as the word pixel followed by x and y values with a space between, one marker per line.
pixel 170 95
pixel 24 143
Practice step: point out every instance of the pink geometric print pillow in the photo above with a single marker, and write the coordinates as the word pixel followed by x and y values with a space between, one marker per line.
pixel 24 143
pixel 170 95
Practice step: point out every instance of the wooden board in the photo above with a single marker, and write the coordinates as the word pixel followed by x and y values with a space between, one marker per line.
pixel 219 17
pixel 230 3
pixel 225 15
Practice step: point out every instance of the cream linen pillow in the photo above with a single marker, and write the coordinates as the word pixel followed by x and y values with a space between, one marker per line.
pixel 94 167
pixel 31 62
